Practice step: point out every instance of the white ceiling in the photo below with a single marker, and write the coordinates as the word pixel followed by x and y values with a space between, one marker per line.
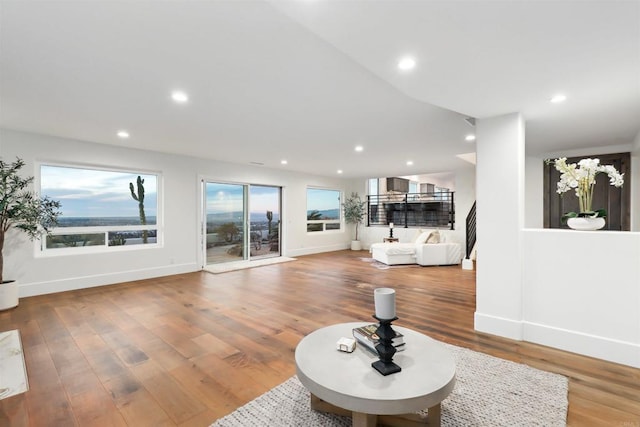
pixel 308 80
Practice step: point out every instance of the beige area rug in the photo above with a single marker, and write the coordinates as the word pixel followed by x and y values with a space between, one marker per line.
pixel 489 392
pixel 13 373
pixel 240 265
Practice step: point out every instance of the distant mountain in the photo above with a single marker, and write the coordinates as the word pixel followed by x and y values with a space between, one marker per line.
pixel 66 221
pixel 327 213
pixel 237 216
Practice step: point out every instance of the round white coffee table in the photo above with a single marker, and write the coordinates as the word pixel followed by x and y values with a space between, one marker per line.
pixel 345 383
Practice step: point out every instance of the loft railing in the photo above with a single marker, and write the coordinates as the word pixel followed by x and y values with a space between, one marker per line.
pixel 471 230
pixel 435 210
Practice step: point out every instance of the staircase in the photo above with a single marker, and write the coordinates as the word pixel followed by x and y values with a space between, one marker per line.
pixel 467 263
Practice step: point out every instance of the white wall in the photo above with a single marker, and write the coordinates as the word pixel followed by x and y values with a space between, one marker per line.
pixel 180 252
pixel 500 214
pixel 577 291
pixel 581 297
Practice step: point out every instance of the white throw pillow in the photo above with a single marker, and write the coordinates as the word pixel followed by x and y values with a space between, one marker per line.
pixel 419 231
pixel 434 237
pixel 422 238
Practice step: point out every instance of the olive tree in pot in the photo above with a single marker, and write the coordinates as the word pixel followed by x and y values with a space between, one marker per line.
pixel 354 211
pixel 22 209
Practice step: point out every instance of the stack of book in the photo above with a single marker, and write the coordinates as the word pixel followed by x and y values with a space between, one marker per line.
pixel 366 335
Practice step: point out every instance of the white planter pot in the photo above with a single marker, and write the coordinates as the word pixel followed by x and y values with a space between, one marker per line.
pixel 8 295
pixel 356 245
pixel 586 224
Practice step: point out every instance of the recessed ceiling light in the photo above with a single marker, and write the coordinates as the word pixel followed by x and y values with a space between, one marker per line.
pixel 339 170
pixel 558 98
pixel 409 162
pixel 470 137
pixel 283 162
pixel 359 148
pixel 123 134
pixel 407 63
pixel 179 96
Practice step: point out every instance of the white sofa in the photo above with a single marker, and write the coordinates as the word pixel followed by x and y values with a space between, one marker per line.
pixel 430 247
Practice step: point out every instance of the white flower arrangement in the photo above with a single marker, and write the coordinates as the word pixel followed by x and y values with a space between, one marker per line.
pixel 582 178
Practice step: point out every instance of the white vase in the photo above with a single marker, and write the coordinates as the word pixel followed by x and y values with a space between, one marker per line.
pixel 585 224
pixel 356 245
pixel 8 295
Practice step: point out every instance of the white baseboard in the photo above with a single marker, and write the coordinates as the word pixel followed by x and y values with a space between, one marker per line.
pixel 318 249
pixel 73 283
pixel 623 352
pixel 500 326
pixel 626 353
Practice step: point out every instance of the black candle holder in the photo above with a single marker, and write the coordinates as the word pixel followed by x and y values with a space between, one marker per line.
pixel 385 348
pixel 390 234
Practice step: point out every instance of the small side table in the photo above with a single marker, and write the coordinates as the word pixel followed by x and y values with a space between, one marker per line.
pixel 390 240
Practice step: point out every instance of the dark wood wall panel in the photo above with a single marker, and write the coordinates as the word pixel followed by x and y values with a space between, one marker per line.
pixel 617 201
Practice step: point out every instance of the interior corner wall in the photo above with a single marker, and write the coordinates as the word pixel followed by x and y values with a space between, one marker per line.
pixel 634 181
pixel 180 177
pixel 500 220
pixel 534 192
pixel 464 196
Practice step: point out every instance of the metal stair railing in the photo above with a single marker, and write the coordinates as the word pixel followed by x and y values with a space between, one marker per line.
pixel 471 230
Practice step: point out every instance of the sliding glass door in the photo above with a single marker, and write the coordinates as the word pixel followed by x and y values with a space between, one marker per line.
pixel 264 220
pixel 225 215
pixel 242 222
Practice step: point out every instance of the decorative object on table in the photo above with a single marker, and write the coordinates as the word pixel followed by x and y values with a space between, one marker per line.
pixel 23 210
pixel 346 344
pixel 391 230
pixel 367 337
pixel 581 177
pixel 354 211
pixel 385 306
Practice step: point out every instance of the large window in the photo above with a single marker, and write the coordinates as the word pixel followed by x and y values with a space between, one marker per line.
pixel 323 210
pixel 100 208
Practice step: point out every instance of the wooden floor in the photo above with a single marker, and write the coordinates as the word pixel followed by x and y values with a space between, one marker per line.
pixel 188 349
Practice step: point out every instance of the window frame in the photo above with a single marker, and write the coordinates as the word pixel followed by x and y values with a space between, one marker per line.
pixel 325 222
pixel 158 227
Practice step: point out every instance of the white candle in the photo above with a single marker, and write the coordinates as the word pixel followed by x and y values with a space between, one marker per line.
pixel 385 302
pixel 390 225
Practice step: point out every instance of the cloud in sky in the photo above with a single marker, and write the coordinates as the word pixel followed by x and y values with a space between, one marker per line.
pixel 321 199
pixel 229 198
pixel 96 193
pixel 102 193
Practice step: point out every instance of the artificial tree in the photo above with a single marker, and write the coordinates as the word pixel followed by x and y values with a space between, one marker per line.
pixel 21 208
pixel 354 211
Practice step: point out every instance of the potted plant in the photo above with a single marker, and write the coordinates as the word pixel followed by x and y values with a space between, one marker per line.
pixel 23 210
pixel 581 177
pixel 354 211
